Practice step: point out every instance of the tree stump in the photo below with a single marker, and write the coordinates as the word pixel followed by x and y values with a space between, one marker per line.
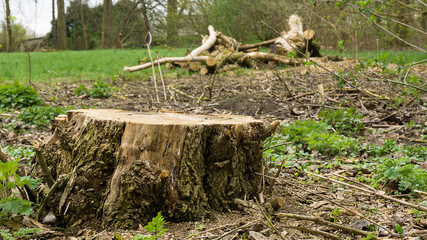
pixel 124 167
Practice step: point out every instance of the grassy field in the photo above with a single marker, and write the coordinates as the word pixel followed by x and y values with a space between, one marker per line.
pixel 74 65
pixel 393 56
pixel 50 67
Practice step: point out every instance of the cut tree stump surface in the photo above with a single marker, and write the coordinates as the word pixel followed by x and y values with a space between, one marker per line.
pixel 123 167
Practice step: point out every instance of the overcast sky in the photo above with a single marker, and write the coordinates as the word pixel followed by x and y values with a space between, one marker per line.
pixel 34 17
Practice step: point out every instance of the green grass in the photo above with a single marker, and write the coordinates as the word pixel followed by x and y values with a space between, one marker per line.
pixel 74 65
pixel 408 56
pixel 98 64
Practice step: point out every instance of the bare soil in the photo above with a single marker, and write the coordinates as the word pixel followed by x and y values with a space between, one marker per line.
pixel 287 95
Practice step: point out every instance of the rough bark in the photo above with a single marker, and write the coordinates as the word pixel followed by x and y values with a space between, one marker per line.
pixel 256 45
pixel 128 166
pixel 79 14
pixel 53 23
pixel 171 22
pixel 9 27
pixel 119 38
pixel 145 15
pixel 61 28
pixel 107 24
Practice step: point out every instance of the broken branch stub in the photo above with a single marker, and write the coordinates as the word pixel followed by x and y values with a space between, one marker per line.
pixel 129 166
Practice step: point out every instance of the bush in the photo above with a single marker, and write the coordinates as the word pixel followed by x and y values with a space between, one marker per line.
pixel 18 96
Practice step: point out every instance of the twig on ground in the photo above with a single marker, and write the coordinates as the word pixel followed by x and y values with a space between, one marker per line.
pixel 354 181
pixel 341 206
pixel 180 92
pixel 314 231
pixel 278 145
pixel 419 207
pixel 268 220
pixel 413 139
pixel 275 177
pixel 320 221
pixel 238 228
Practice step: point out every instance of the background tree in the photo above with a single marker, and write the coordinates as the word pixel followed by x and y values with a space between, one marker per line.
pixel 79 10
pixel 9 45
pixel 171 22
pixel 107 24
pixel 53 22
pixel 61 30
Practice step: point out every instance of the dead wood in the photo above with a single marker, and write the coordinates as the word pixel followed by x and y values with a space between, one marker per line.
pixel 378 194
pixel 246 47
pixel 4 157
pixel 49 196
pixel 193 56
pixel 320 221
pixel 42 163
pixel 194 66
pixel 277 203
pixel 166 60
pixel 222 50
pixel 314 231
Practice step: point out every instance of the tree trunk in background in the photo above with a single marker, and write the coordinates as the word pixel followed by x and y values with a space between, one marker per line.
pixel 107 25
pixel 145 16
pixel 9 28
pixel 53 23
pixel 80 16
pixel 171 22
pixel 61 28
pixel 125 22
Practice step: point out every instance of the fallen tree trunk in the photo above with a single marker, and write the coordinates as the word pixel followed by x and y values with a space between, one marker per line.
pixel 224 50
pixel 165 60
pixel 256 45
pixel 193 56
pixel 129 166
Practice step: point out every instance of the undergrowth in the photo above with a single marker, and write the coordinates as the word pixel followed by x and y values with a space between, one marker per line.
pixel 336 138
pixel 41 116
pixel 18 96
pixel 99 89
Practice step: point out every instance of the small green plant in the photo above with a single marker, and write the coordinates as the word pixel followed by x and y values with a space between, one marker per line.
pixel 399 229
pixel 81 90
pixel 371 236
pixel 409 176
pixel 100 89
pixel 6 235
pixel 335 213
pixel 345 121
pixel 10 182
pixel 18 96
pixel 156 226
pixel 311 135
pixel 23 232
pixel 340 45
pixel 40 116
pixel 26 232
